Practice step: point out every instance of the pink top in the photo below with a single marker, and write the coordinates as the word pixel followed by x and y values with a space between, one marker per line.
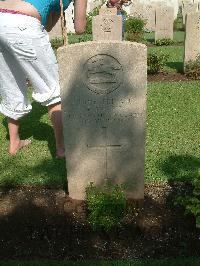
pixel 4 10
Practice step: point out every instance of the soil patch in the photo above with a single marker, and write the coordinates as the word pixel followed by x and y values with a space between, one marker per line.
pixel 40 223
pixel 167 77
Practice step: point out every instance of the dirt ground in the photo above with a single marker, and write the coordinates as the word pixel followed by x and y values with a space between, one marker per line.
pixel 43 223
pixel 167 77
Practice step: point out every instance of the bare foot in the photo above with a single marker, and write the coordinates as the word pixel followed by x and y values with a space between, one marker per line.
pixel 15 148
pixel 60 153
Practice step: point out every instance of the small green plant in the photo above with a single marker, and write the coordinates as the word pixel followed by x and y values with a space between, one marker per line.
pixel 192 69
pixel 106 206
pixel 90 15
pixel 135 28
pixel 56 43
pixel 192 203
pixel 164 42
pixel 156 62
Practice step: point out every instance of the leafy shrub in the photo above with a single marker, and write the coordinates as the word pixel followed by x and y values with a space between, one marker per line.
pixel 74 38
pixel 106 206
pixel 56 43
pixel 192 69
pixel 90 15
pixel 162 42
pixel 135 28
pixel 156 62
pixel 192 203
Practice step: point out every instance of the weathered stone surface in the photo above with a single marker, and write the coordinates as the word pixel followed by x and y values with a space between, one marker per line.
pixel 192 37
pixel 146 12
pixel 150 17
pixel 103 90
pixel 187 8
pixel 107 27
pixel 137 9
pixel 107 11
pixel 164 23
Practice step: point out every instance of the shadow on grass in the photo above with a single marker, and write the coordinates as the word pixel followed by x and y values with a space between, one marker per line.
pixel 31 125
pixel 181 168
pixel 49 172
pixel 52 174
pixel 176 65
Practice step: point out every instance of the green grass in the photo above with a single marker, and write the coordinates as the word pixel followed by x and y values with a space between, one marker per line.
pixel 35 164
pixel 173 131
pixel 178 37
pixel 175 60
pixel 167 262
pixel 172 139
pixel 74 38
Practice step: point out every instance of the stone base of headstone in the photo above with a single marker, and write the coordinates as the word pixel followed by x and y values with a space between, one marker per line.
pixel 103 91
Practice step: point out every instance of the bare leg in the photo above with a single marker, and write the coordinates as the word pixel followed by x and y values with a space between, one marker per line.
pixel 56 119
pixel 15 143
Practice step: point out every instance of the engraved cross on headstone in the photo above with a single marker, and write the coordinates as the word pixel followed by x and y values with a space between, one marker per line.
pixel 105 146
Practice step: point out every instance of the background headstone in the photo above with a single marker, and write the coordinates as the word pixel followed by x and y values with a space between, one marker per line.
pixel 145 12
pixel 107 27
pixel 171 3
pixel 188 8
pixel 107 11
pixel 103 90
pixel 164 23
pixel 150 17
pixel 192 37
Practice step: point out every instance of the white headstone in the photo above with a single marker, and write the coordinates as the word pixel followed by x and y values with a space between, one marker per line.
pixel 192 37
pixel 188 8
pixel 103 91
pixel 107 27
pixel 164 23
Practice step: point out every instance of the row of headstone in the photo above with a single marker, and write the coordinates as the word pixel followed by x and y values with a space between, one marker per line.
pixel 108 26
pixel 142 7
pixel 103 91
pixel 159 18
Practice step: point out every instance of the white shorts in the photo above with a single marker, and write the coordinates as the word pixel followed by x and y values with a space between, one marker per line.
pixel 25 52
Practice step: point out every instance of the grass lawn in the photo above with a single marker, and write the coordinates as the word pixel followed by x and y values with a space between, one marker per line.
pixel 173 130
pixel 73 38
pixel 35 164
pixel 171 262
pixel 178 37
pixel 175 59
pixel 172 144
